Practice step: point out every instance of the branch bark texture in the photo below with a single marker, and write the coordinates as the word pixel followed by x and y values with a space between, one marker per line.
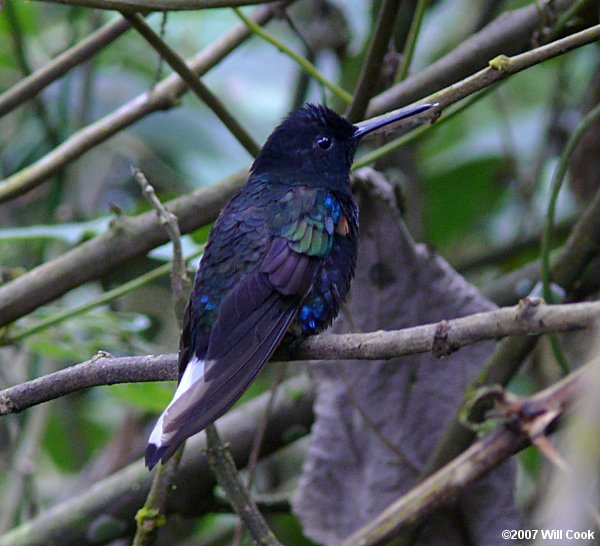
pixel 509 34
pixel 484 455
pixel 443 338
pixel 106 510
pixel 164 96
pixel 30 86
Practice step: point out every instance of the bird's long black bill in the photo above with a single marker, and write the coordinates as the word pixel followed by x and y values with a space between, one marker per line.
pixel 382 122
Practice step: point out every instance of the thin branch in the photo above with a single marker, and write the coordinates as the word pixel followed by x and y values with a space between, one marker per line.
pixel 483 456
pixel 163 96
pixel 194 83
pixel 304 64
pixel 371 68
pixel 508 34
pixel 30 86
pixel 580 248
pixel 106 297
pixel 153 513
pixel 158 5
pixel 179 277
pixel 443 338
pixel 411 40
pixel 14 26
pixel 555 186
pixel 223 467
pixel 109 505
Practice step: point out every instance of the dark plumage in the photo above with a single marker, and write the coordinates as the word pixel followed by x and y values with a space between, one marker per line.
pixel 279 260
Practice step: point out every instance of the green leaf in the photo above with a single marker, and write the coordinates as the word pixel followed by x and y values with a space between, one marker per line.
pixel 455 200
pixel 152 397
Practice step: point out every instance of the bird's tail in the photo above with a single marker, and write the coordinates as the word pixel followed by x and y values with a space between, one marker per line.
pixel 158 446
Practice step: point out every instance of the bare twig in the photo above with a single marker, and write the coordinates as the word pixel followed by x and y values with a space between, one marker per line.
pixel 115 499
pixel 441 339
pixel 194 83
pixel 153 514
pixel 481 457
pixel 411 40
pixel 14 26
pixel 22 466
pixel 371 68
pixel 222 465
pixel 163 96
pixel 508 34
pixel 51 71
pixel 179 276
pixel 257 444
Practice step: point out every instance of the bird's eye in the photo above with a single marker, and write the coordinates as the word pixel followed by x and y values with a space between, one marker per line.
pixel 324 142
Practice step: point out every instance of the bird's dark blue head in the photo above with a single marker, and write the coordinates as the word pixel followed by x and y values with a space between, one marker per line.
pixel 314 146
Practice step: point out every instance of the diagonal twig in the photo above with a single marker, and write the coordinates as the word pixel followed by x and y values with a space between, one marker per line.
pixel 30 86
pixel 371 68
pixel 484 455
pixel 194 83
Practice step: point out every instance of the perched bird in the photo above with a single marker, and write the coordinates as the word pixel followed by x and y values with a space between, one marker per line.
pixel 279 260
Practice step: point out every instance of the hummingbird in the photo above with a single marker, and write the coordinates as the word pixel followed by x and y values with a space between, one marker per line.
pixel 278 263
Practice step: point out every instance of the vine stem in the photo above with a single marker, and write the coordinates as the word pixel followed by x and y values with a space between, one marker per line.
pixel 305 64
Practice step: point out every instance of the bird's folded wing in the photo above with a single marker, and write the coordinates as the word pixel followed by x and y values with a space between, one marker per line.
pixel 252 320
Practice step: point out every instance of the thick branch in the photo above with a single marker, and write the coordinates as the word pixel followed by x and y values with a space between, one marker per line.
pixel 127 238
pixel 441 339
pixel 538 412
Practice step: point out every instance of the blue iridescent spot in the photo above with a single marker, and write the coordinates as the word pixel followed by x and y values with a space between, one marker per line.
pixel 210 306
pixel 204 299
pixel 304 312
pixel 333 208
